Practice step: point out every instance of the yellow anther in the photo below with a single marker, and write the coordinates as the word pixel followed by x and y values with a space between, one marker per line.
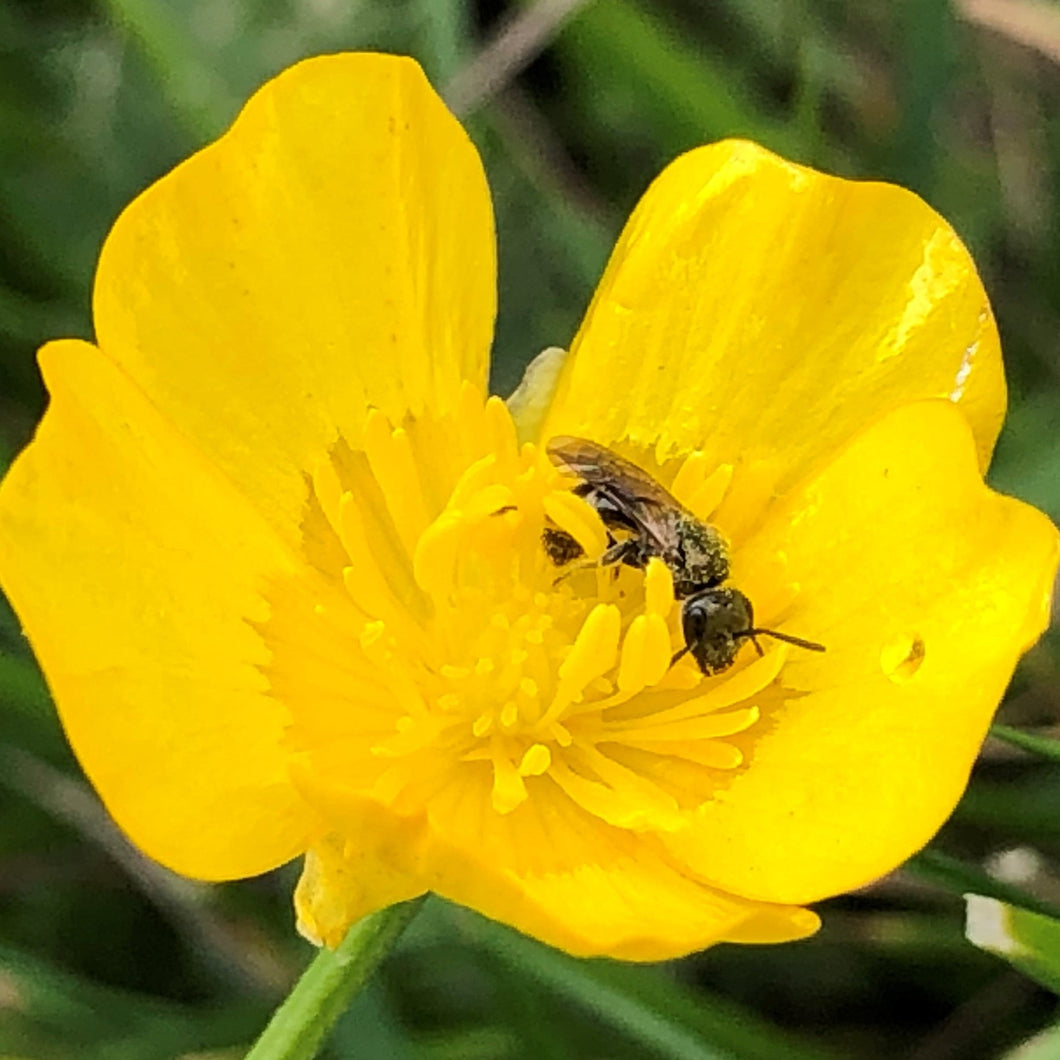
pixel 479 475
pixel 434 560
pixel 455 673
pixel 658 588
pixel 645 653
pixel 528 686
pixel 579 519
pixel 657 650
pixel 509 714
pixel 373 641
pixel 690 477
pixel 711 727
pixel 740 686
pixel 484 666
pixel 487 501
pixel 501 430
pixel 319 609
pixel 631 668
pixel 372 633
pixel 561 734
pixel 536 761
pixel 534 636
pixel 482 725
pixel 708 497
pixel 508 787
pixel 499 620
pixel 393 464
pixel 594 649
pixel 592 654
pixel 449 701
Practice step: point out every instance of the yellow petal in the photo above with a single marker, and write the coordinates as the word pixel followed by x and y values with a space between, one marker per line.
pixel 547 869
pixel 332 251
pixel 925 587
pixel 555 873
pixel 138 573
pixel 764 313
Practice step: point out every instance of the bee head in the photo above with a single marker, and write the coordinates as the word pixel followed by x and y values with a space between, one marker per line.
pixel 715 622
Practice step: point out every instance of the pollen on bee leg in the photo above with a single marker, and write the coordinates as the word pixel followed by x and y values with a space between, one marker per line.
pixel 578 518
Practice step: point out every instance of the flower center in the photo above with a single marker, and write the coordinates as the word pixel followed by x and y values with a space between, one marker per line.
pixel 492 664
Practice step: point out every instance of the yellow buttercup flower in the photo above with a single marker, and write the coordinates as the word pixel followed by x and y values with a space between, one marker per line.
pixel 281 557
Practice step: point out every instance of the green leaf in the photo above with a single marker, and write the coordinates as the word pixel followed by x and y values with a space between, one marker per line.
pixel 1044 1046
pixel 50 1012
pixel 688 96
pixel 1028 941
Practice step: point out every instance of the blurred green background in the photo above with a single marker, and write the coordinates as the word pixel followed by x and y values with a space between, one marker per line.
pixel 105 956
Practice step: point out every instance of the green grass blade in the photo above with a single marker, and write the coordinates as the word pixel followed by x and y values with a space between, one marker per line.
pixel 644 1006
pixel 1028 941
pixel 1043 1046
pixel 955 875
pixel 1027 741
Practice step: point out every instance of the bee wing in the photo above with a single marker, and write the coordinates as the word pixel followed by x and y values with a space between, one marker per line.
pixel 599 466
pixel 643 500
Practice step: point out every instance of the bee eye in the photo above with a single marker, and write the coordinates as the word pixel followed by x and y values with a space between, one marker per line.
pixel 694 620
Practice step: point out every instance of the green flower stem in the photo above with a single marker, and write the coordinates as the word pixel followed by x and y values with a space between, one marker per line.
pixel 329 984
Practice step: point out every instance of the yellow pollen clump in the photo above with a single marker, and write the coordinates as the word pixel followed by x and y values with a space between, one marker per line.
pixel 496 667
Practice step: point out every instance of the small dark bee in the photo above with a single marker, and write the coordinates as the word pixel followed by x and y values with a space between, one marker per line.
pixel 644 520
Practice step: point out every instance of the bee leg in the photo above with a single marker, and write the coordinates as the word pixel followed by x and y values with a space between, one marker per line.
pixel 614 555
pixel 619 553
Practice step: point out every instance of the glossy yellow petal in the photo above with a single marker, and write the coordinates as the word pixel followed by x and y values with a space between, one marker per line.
pixel 555 873
pixel 925 587
pixel 546 868
pixel 765 313
pixel 333 251
pixel 138 573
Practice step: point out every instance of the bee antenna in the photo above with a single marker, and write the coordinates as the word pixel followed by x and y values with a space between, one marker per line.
pixel 810 645
pixel 679 655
